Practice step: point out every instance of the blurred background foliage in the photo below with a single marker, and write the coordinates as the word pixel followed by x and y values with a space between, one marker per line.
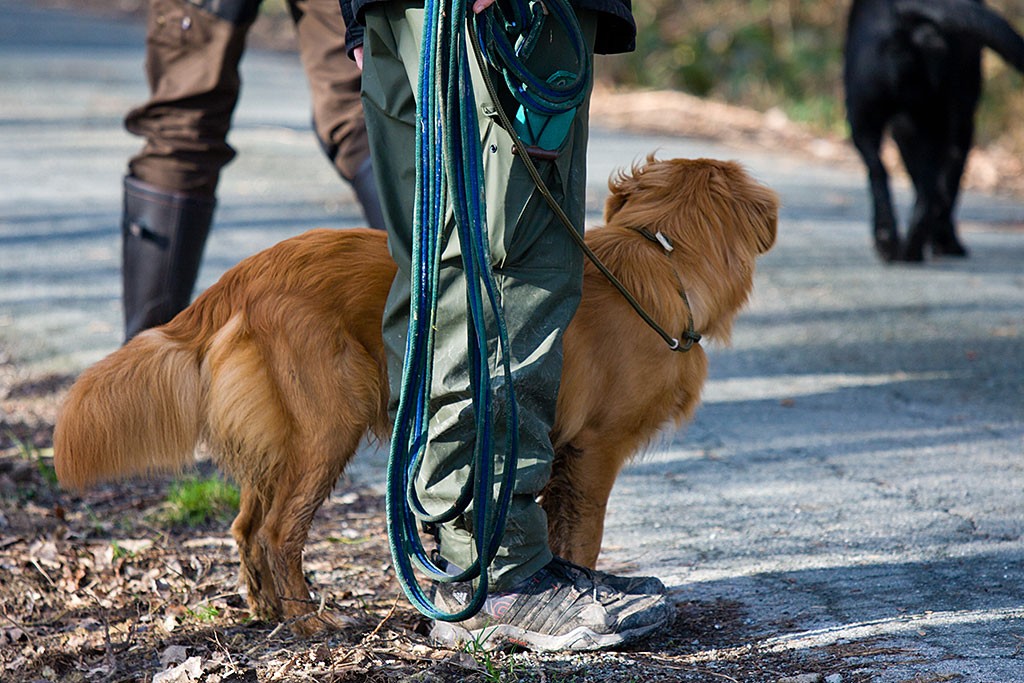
pixel 784 54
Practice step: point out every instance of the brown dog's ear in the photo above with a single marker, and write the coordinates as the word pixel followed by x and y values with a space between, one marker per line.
pixel 615 201
pixel 763 206
pixel 621 186
pixel 618 194
pixel 754 205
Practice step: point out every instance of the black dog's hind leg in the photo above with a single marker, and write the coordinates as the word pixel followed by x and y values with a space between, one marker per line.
pixel 867 137
pixel 944 239
pixel 935 164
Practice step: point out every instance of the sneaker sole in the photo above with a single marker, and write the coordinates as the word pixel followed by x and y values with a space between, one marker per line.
pixel 498 636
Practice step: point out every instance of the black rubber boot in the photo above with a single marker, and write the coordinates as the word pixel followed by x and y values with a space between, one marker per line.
pixel 365 186
pixel 163 236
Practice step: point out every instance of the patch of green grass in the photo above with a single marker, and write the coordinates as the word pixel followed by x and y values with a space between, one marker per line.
pixel 195 501
pixel 42 458
pixel 119 552
pixel 273 7
pixel 204 613
pixel 491 670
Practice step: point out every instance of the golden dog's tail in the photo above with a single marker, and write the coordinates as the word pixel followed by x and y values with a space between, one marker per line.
pixel 140 409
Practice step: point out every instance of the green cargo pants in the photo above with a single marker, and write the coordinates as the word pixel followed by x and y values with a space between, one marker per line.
pixel 538 269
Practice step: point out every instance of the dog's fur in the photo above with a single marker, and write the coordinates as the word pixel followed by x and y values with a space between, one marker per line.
pixel 914 66
pixel 280 368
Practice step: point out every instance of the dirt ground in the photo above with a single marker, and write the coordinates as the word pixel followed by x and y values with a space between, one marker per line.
pixel 94 587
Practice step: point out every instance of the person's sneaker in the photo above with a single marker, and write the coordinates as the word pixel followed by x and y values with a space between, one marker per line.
pixel 561 607
pixel 631 585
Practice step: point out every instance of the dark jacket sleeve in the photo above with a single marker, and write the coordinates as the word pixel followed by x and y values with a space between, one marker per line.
pixel 616 29
pixel 353 27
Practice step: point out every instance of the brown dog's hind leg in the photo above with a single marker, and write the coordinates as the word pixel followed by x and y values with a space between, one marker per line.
pixel 301 489
pixel 255 570
pixel 284 534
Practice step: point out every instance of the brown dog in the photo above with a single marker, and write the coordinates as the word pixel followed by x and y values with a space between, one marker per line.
pixel 279 367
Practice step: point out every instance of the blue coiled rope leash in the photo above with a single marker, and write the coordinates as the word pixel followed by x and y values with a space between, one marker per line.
pixel 450 168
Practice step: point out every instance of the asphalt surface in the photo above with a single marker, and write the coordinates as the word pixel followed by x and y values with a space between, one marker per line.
pixel 853 481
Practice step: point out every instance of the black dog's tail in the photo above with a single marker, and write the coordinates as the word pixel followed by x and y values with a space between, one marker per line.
pixel 972 18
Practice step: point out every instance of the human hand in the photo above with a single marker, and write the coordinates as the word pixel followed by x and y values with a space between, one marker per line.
pixel 357 54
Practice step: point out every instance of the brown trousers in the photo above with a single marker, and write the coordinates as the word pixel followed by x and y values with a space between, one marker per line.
pixel 192 59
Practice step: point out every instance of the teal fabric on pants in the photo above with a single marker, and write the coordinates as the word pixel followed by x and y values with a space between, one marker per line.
pixel 537 266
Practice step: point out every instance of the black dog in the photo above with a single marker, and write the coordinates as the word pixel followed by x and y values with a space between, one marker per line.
pixel 915 66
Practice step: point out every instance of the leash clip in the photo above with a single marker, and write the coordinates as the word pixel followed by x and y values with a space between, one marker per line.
pixel 691 339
